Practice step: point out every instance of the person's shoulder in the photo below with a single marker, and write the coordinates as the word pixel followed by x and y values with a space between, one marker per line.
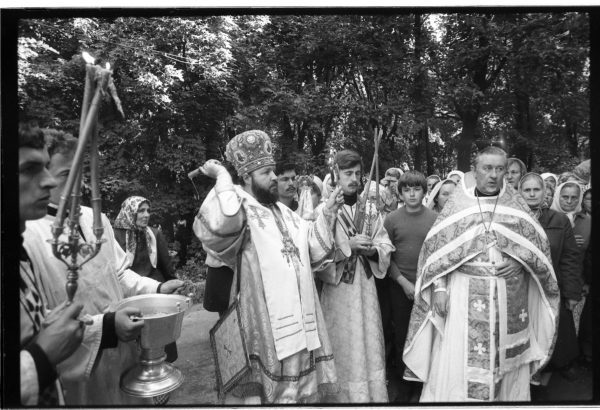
pixel 555 219
pixel 394 215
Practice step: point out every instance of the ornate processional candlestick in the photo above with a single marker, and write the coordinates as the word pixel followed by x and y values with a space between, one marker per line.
pixel 97 81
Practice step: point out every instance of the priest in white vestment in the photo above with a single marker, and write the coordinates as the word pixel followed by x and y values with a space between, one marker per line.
pixel 349 297
pixel 291 359
pixel 91 375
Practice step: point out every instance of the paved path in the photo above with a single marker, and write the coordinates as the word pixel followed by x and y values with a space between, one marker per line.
pixel 196 363
pixel 195 359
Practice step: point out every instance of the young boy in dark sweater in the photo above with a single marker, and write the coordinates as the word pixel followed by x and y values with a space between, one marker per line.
pixel 407 228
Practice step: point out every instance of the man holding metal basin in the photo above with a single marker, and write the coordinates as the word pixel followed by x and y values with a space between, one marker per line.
pixel 91 375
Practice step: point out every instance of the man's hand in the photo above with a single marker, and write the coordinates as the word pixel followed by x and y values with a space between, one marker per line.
pixel 440 303
pixel 571 304
pixel 61 337
pixel 579 240
pixel 509 268
pixel 171 286
pixel 360 244
pixel 408 288
pixel 127 324
pixel 212 168
pixel 334 201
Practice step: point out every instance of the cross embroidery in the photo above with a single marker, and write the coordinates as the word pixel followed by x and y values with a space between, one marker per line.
pixel 479 305
pixel 258 215
pixel 290 250
pixel 228 350
pixel 480 349
pixel 523 315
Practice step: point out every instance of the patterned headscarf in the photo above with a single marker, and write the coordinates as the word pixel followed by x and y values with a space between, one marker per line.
pixel 126 220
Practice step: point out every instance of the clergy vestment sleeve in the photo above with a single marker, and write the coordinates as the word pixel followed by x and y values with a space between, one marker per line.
pixel 79 365
pixel 220 233
pixel 384 247
pixel 320 240
pixel 29 380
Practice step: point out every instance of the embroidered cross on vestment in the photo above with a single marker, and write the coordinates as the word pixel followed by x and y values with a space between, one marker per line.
pixel 523 315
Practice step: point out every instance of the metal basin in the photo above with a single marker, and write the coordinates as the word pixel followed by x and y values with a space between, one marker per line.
pixel 163 316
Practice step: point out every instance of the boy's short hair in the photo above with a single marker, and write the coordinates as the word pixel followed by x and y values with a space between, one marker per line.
pixel 31 136
pixel 348 159
pixel 412 179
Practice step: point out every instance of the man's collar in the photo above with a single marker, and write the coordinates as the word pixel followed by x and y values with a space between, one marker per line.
pixel 481 194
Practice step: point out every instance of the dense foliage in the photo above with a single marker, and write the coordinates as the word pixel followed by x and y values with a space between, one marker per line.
pixel 436 83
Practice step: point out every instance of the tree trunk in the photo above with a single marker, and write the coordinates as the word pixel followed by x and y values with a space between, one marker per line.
pixel 523 117
pixel 287 146
pixel 467 136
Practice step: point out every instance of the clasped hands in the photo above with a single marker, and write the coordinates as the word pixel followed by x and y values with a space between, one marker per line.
pixel 363 245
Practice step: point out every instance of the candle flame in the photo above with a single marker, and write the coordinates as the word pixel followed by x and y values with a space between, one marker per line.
pixel 107 65
pixel 88 58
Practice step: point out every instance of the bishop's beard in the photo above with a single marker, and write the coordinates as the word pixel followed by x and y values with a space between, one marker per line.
pixel 262 195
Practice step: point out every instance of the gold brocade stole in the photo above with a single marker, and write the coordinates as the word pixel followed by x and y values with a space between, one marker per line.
pixel 350 263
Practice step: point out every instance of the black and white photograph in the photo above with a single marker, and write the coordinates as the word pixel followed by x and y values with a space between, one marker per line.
pixel 306 206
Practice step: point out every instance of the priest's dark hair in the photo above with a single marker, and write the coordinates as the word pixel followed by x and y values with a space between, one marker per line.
pixel 347 159
pixel 30 136
pixel 282 167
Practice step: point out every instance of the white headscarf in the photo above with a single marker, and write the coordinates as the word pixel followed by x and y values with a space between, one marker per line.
pixel 456 172
pixel 327 189
pixel 556 200
pixel 547 175
pixel 435 191
pixel 305 203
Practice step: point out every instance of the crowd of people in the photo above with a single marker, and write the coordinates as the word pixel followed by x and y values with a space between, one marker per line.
pixel 465 287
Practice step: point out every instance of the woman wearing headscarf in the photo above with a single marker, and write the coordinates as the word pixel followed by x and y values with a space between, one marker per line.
pixel 550 178
pixel 567 267
pixel 440 194
pixel 515 169
pixel 432 181
pixel 147 252
pixel 455 175
pixel 309 196
pixel 146 248
pixel 567 199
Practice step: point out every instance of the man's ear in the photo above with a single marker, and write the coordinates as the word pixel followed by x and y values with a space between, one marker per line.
pixel 247 179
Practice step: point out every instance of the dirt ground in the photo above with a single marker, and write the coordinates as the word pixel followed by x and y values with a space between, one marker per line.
pixel 199 388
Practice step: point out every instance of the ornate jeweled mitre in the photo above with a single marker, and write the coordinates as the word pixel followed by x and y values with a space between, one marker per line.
pixel 250 151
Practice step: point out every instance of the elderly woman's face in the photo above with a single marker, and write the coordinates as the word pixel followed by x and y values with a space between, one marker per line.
pixel 143 215
pixel 550 181
pixel 569 196
pixel 513 174
pixel 533 191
